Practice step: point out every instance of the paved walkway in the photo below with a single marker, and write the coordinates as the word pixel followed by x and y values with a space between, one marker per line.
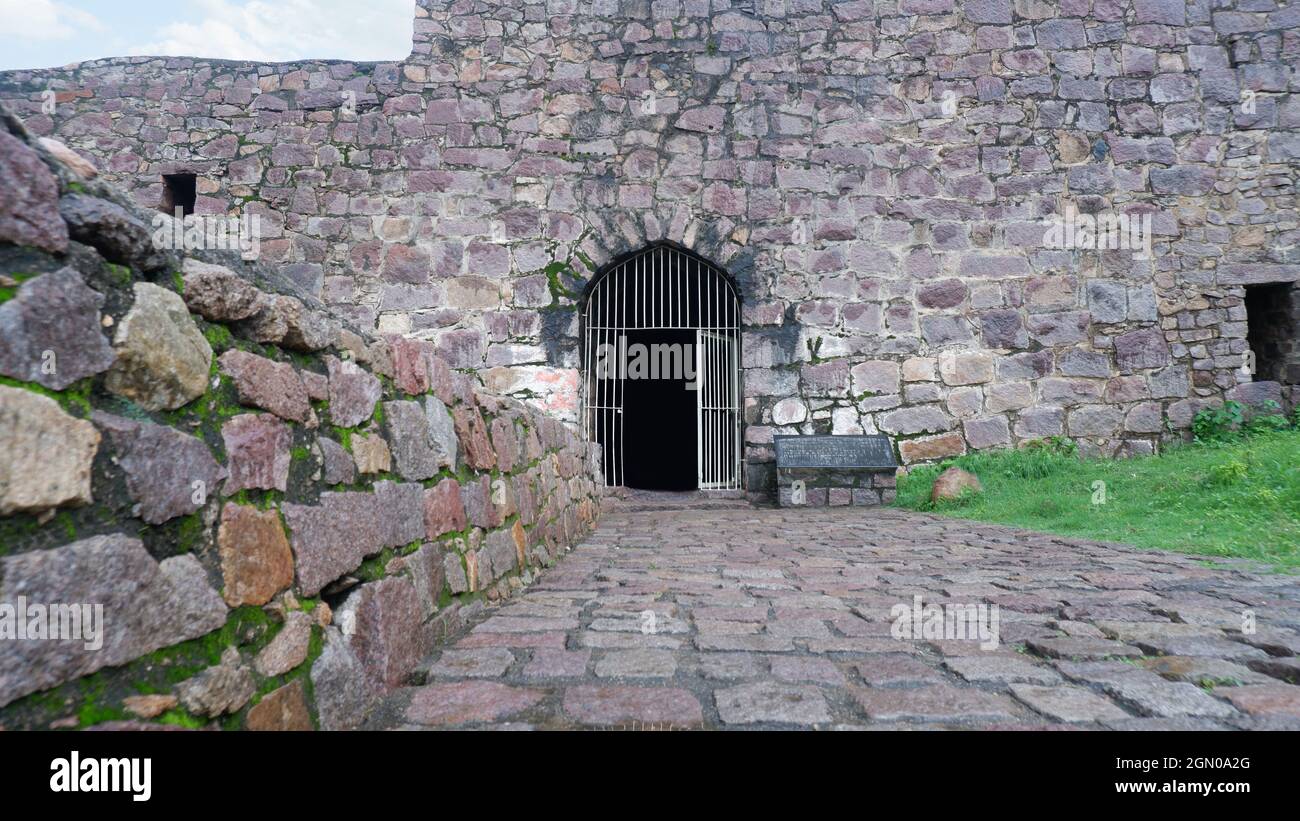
pixel 779 619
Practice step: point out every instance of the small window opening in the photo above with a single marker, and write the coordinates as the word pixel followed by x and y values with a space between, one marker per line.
pixel 1272 322
pixel 179 191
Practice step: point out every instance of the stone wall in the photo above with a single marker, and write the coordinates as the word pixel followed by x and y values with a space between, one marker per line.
pixel 874 174
pixel 278 515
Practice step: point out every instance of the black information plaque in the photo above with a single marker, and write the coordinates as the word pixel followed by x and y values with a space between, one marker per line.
pixel 861 451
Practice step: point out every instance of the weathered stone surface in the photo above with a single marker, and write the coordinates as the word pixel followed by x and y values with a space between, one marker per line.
pixel 443 509
pixel 112 230
pixel 50 331
pixel 289 647
pixel 1068 703
pixel 1167 699
pixel 332 538
pixel 625 706
pixel 1004 670
pixel 466 702
pixel 269 385
pixel 953 483
pixel 767 702
pixel 1266 700
pixel 343 693
pixel 338 465
pixel 427 572
pixel 636 663
pixel 45 454
pixel 29 212
pixel 926 448
pixel 219 294
pixel 284 709
pixel 383 625
pixel 1201 670
pixel 896 669
pixel 476 497
pixel 353 392
pixel 371 454
pixel 255 559
pixel 472 433
pixel 149 706
pixel 285 320
pixel 147 605
pixel 484 662
pixel 423 437
pixel 168 473
pixel 223 688
pixel 162 358
pixel 1141 349
pixel 75 162
pixel 549 663
pixel 257 448
pixel 938 702
pixel 1082 648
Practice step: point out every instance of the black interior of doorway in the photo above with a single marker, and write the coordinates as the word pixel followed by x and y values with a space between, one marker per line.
pixel 1272 316
pixel 659 436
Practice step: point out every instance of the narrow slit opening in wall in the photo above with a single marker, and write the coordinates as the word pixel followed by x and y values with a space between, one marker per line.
pixel 179 191
pixel 1272 317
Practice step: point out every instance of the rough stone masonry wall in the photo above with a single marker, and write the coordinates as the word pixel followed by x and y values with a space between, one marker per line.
pixel 888 244
pixel 278 515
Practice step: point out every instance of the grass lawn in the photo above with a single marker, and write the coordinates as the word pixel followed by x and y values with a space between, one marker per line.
pixel 1236 498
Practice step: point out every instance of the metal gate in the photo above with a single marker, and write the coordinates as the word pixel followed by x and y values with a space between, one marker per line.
pixel 663 288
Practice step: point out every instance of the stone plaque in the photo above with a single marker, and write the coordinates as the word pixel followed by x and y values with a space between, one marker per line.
pixel 845 452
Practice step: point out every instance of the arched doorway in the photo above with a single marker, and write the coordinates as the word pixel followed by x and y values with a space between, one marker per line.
pixel 661 371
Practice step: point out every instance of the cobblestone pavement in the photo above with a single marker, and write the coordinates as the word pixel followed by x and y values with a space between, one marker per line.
pixel 778 619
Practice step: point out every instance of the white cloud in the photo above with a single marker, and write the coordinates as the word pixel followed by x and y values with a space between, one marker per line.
pixel 45 20
pixel 282 30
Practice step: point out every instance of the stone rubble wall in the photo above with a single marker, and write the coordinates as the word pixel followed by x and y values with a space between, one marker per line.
pixel 873 174
pixel 279 515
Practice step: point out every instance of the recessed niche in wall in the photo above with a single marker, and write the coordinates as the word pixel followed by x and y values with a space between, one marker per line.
pixel 1273 323
pixel 179 191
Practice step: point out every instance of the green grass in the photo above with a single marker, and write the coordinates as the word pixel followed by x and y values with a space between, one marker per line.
pixel 1237 498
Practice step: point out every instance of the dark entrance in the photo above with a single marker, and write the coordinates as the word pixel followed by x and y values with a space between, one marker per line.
pixel 654 322
pixel 1272 316
pixel 179 191
pixel 659 445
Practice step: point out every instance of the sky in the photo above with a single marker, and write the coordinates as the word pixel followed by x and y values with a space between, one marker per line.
pixel 49 33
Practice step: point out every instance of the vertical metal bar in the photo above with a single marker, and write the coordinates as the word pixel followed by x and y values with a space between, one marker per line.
pixel 619 387
pixel 604 388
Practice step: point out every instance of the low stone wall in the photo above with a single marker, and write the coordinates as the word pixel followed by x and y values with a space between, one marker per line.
pixel 823 487
pixel 218 504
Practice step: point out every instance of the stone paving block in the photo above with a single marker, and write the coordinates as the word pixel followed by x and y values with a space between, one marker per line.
pixel 1165 699
pixel 1001 670
pixel 891 669
pixel 725 666
pixel 466 702
pixel 632 707
pixel 1199 670
pixel 637 663
pixel 766 702
pixel 936 702
pixel 549 662
pixel 1081 649
pixel 1279 700
pixel 1153 631
pixel 487 662
pixel 1210 646
pixel 802 668
pixel 1286 669
pixel 1067 703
